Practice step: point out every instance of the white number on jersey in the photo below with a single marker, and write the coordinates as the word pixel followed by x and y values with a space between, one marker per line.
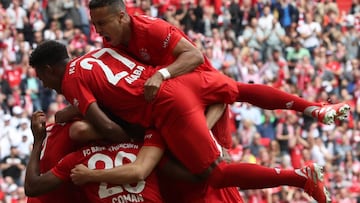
pixel 104 190
pixel 111 77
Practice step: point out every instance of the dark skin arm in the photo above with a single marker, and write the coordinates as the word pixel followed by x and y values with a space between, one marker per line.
pixel 36 184
pixel 102 122
pixel 104 126
pixel 96 114
pixel 174 170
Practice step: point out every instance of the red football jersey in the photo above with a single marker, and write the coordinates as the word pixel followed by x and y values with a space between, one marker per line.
pixel 100 73
pixel 115 81
pixel 56 145
pixel 108 156
pixel 153 41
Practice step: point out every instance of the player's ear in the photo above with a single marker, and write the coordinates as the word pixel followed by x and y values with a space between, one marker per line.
pixel 47 68
pixel 51 69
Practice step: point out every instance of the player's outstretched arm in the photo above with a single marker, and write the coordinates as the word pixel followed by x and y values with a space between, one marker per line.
pixel 146 160
pixel 188 57
pixel 36 184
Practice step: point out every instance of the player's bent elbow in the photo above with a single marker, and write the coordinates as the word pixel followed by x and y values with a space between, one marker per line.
pixel 32 188
pixel 29 194
pixel 29 190
pixel 200 58
pixel 197 58
pixel 41 184
pixel 139 174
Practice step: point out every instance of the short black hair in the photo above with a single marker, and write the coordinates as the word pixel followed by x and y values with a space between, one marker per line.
pixel 48 52
pixel 114 4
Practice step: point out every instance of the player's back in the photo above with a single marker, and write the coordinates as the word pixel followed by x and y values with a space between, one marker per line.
pixel 112 79
pixel 56 145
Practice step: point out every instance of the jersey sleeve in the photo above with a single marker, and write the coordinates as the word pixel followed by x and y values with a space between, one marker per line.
pixel 153 138
pixel 78 93
pixel 63 169
pixel 164 38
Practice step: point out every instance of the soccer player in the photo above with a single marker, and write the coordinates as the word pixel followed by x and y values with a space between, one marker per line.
pixel 156 42
pixel 109 78
pixel 55 146
pixel 96 155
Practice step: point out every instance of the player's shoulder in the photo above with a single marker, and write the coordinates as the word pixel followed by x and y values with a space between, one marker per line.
pixel 147 22
pixel 78 64
pixel 136 18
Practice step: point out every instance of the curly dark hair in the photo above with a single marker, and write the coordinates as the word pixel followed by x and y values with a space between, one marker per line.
pixel 48 53
pixel 115 5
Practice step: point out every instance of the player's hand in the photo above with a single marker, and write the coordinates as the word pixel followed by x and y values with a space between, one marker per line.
pixel 152 86
pixel 80 174
pixel 38 125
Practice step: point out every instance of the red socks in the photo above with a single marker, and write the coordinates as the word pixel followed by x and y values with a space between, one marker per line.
pixel 270 98
pixel 253 176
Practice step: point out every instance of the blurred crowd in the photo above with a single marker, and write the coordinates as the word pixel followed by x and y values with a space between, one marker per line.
pixel 305 47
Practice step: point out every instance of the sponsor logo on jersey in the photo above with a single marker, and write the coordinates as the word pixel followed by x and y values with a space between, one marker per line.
pixel 123 146
pixel 148 136
pixel 167 40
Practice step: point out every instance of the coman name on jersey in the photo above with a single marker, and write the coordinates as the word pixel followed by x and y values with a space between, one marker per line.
pixel 128 198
